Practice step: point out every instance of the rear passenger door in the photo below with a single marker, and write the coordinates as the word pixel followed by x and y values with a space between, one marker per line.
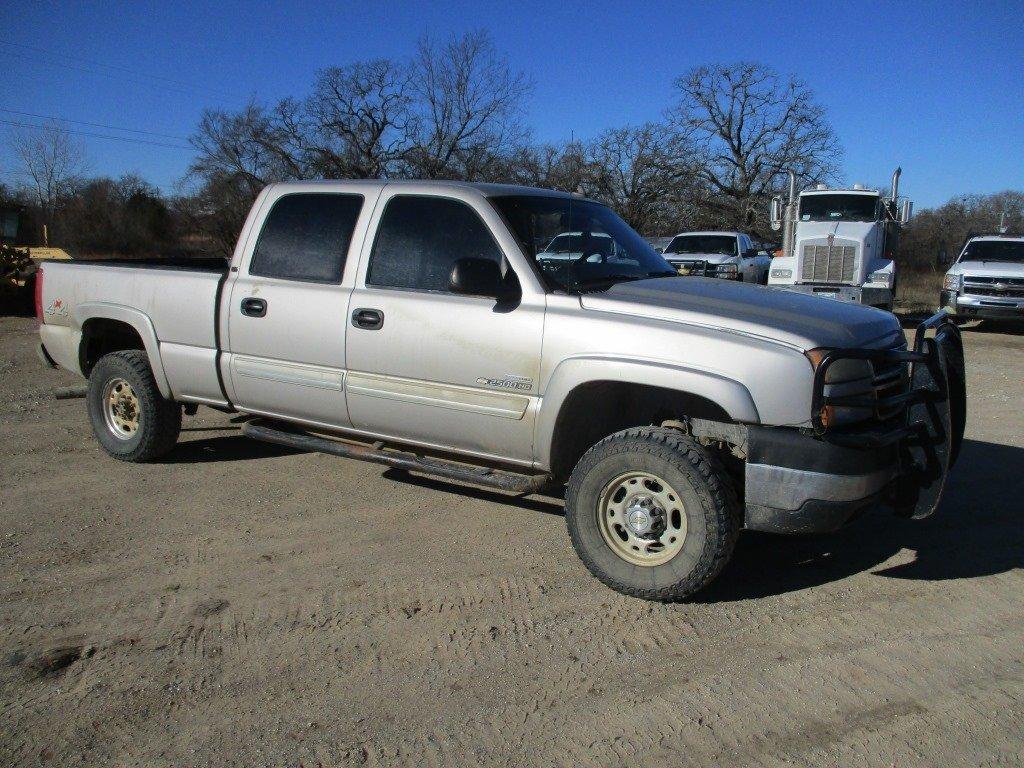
pixel 434 367
pixel 289 304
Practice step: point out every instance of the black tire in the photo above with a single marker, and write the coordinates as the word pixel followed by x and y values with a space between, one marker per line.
pixel 709 500
pixel 159 420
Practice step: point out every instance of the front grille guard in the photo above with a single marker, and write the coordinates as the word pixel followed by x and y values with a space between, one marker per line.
pixel 897 427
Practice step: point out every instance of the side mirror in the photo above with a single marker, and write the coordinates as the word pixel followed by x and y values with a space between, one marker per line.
pixel 477 277
pixel 906 211
pixel 776 213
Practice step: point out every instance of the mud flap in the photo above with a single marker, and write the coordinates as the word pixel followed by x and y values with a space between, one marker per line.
pixel 938 420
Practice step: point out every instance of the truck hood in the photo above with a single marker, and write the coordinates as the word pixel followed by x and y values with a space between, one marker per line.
pixel 989 268
pixel 847 230
pixel 796 319
pixel 710 258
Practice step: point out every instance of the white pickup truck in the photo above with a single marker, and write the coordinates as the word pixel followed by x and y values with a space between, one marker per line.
pixel 410 324
pixel 987 280
pixel 726 255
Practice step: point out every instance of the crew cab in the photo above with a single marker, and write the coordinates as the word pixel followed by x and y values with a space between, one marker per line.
pixel 987 280
pixel 728 255
pixel 411 324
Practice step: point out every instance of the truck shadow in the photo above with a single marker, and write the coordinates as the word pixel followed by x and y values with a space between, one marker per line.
pixel 535 503
pixel 234 447
pixel 976 532
pixel 1010 327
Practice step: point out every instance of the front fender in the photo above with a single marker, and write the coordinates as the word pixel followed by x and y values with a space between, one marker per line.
pixel 92 310
pixel 732 396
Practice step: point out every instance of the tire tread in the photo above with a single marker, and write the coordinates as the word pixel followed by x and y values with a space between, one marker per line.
pixel 675 446
pixel 162 417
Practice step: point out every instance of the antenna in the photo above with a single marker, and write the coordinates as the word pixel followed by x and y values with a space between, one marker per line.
pixel 570 267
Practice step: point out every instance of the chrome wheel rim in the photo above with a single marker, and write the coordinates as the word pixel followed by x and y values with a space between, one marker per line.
pixel 642 518
pixel 120 409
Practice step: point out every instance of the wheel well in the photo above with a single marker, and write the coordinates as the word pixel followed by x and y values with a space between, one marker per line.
pixel 597 409
pixel 101 336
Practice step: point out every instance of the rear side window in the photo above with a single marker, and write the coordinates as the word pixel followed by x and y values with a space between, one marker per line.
pixel 306 237
pixel 420 238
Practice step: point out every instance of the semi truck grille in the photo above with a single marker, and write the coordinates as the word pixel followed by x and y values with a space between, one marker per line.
pixel 828 264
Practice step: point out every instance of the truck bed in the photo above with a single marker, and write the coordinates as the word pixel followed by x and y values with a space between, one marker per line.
pixel 171 304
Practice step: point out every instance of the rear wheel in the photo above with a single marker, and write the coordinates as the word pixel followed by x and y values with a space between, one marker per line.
pixel 652 514
pixel 130 418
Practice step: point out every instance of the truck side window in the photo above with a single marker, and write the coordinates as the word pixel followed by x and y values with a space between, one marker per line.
pixel 306 237
pixel 420 238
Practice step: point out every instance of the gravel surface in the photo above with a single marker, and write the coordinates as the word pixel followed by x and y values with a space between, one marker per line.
pixel 243 604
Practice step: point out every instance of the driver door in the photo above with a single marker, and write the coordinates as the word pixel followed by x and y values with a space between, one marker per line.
pixel 430 366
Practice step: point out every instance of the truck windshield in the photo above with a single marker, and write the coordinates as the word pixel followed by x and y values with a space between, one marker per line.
pixel 994 250
pixel 579 245
pixel 838 208
pixel 717 244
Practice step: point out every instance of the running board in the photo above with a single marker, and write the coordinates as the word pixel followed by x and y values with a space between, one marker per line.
pixel 451 470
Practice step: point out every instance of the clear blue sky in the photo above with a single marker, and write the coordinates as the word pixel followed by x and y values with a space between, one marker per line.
pixel 937 87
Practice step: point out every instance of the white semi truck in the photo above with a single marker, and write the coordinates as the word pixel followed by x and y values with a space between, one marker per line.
pixel 839 243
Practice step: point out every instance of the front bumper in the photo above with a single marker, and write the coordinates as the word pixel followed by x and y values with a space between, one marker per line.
pixel 796 483
pixel 853 294
pixel 981 307
pixel 800 481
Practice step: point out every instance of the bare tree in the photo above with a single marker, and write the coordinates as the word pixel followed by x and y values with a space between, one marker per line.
pixel 646 173
pixel 250 144
pixel 360 119
pixel 468 102
pixel 50 161
pixel 753 126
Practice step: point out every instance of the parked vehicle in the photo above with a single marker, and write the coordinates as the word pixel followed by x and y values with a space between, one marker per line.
pixel 728 255
pixel 987 280
pixel 564 251
pixel 839 243
pixel 658 243
pixel 410 324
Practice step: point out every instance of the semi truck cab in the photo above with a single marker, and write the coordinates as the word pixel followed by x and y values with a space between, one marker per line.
pixel 839 243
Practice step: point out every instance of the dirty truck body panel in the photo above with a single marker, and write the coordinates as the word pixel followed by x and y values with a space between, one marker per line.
pixel 416 314
pixel 171 309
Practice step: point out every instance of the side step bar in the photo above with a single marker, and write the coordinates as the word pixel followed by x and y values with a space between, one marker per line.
pixel 451 470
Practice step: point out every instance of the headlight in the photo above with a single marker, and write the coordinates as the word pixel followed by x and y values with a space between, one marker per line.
pixel 952 282
pixel 785 274
pixel 726 270
pixel 845 376
pixel 880 277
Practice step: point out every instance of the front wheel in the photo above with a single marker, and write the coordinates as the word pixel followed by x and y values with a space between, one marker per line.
pixel 652 514
pixel 130 418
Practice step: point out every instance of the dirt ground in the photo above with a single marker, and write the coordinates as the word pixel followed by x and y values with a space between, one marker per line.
pixel 239 604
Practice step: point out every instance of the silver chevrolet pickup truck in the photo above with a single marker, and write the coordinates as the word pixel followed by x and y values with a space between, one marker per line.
pixel 410 324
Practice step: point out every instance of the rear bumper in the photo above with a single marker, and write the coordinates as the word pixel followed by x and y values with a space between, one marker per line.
pixel 852 294
pixel 44 356
pixel 795 483
pixel 981 307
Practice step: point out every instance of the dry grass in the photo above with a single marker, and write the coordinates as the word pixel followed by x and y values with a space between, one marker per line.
pixel 918 291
